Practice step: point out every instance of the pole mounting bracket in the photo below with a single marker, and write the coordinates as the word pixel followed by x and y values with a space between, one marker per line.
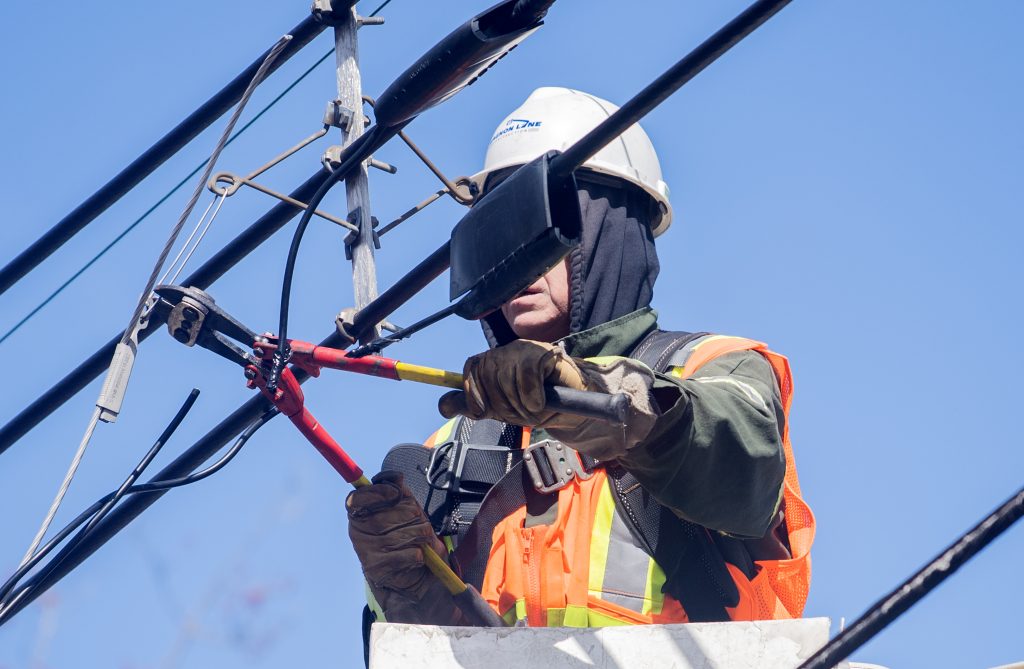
pixel 352 238
pixel 332 12
pixel 338 115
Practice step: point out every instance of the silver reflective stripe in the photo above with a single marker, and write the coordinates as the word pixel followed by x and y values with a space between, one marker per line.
pixel 679 358
pixel 628 566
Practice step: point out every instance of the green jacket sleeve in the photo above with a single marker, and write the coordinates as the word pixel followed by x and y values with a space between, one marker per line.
pixel 715 454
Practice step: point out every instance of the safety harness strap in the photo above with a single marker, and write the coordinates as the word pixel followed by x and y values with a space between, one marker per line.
pixel 658 349
pixel 451 479
pixel 695 571
pixel 470 483
pixel 508 495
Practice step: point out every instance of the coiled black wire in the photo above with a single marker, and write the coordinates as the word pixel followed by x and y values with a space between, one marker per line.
pixel 101 507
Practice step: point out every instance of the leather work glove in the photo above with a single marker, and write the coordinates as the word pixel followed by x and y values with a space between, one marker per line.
pixel 389 529
pixel 507 384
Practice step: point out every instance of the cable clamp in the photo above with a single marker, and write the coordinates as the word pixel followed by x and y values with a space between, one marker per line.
pixel 115 385
pixel 355 217
pixel 338 115
pixel 344 322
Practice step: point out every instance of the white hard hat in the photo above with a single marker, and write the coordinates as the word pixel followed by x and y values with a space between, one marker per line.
pixel 554 118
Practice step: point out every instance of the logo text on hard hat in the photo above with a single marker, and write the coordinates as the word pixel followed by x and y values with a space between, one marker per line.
pixel 514 124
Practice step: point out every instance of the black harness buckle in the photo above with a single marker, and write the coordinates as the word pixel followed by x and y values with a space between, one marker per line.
pixel 553 465
pixel 468 469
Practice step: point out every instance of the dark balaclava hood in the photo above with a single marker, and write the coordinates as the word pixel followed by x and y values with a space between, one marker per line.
pixel 613 270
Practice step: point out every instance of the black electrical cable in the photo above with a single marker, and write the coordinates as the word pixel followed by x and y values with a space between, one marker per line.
pixel 527 12
pixel 99 509
pixel 112 498
pixel 665 85
pixel 911 591
pixel 167 484
pixel 151 159
pixel 381 343
pixel 131 508
pixel 203 277
pixel 354 155
pixel 146 460
pixel 53 295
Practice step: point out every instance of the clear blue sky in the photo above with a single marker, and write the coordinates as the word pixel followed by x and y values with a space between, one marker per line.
pixel 847 186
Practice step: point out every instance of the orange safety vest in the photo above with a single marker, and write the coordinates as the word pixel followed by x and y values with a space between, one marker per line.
pixel 586 570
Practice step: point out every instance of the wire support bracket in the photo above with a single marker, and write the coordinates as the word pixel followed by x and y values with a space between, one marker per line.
pixel 338 115
pixel 462 190
pixel 433 197
pixel 226 184
pixel 232 182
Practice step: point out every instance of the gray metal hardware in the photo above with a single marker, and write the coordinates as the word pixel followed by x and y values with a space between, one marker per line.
pixel 553 465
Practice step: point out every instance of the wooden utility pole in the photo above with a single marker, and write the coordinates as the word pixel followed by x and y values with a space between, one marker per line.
pixel 357 190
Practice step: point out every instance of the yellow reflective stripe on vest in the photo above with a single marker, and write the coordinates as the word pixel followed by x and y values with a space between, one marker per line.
pixel 371 602
pixel 570 616
pixel 444 433
pixel 654 598
pixel 634 580
pixel 620 573
pixel 516 613
pixel 599 541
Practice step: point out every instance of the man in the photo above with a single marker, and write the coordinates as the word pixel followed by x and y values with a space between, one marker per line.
pixel 690 512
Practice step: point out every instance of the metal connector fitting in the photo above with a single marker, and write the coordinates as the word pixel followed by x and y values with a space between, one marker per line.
pixel 343 322
pixel 338 115
pixel 552 465
pixel 332 12
pixel 352 238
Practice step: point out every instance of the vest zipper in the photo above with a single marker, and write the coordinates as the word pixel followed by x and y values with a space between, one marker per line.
pixel 532 566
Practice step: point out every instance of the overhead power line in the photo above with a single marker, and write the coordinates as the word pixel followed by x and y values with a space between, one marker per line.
pixel 109 402
pixel 915 588
pixel 214 268
pixel 134 224
pixel 404 107
pixel 151 159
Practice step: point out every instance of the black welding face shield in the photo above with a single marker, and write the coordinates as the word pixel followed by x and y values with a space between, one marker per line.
pixel 513 235
pixel 495 178
pixel 613 269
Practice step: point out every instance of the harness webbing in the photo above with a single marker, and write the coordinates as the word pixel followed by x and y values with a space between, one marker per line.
pixel 476 478
pixel 695 571
pixel 507 495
